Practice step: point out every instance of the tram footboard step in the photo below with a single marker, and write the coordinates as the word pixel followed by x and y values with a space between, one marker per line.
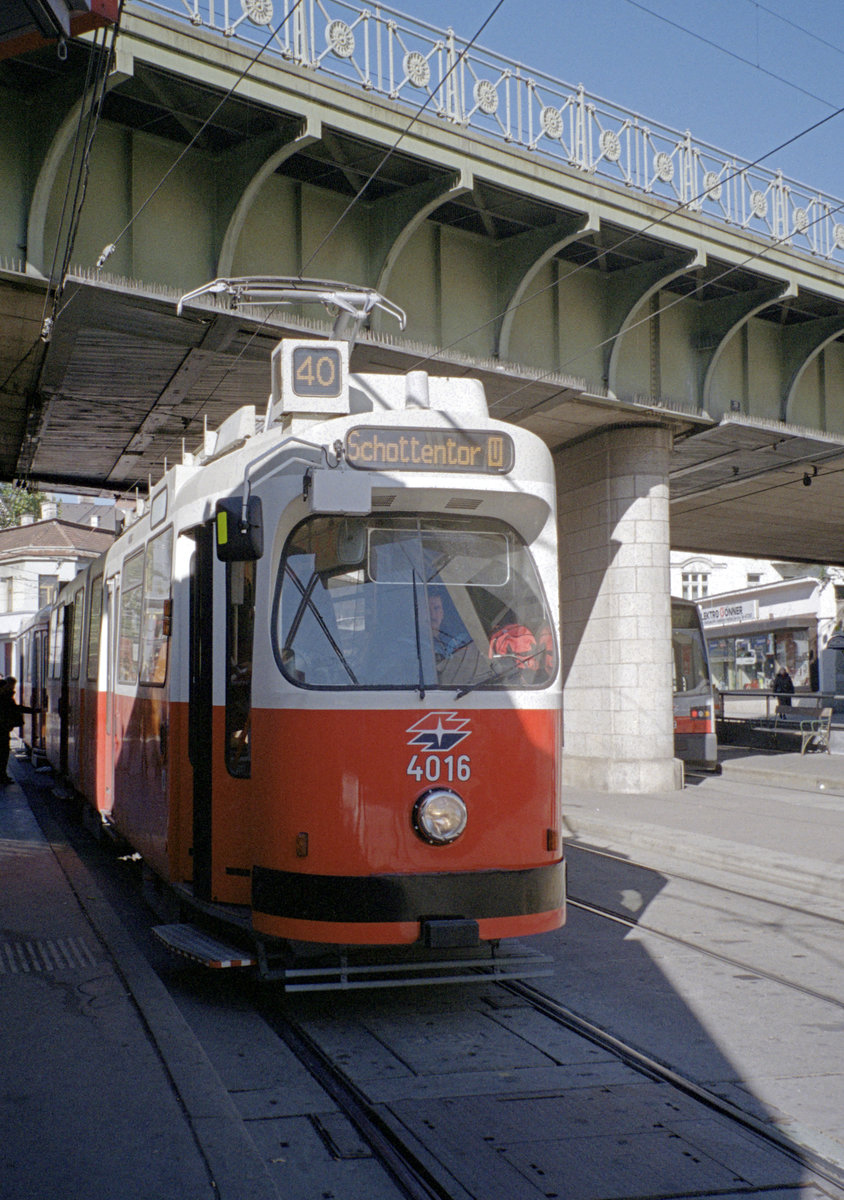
pixel 202 947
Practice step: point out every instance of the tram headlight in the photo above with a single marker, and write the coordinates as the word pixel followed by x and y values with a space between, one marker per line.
pixel 439 816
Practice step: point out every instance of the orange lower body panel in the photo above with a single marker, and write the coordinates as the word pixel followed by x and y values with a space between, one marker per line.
pixel 338 858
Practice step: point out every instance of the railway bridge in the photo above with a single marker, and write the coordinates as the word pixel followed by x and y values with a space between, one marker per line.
pixel 668 318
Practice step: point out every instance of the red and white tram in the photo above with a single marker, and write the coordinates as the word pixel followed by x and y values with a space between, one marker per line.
pixel 317 685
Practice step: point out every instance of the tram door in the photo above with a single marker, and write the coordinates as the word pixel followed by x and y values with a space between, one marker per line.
pixel 38 689
pixel 110 631
pixel 200 706
pixel 64 696
pixel 222 620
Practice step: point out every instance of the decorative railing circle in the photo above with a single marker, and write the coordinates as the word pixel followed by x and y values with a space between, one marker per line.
pixel 759 204
pixel 417 69
pixel 610 144
pixel 485 95
pixel 259 12
pixel 664 167
pixel 340 38
pixel 712 185
pixel 551 120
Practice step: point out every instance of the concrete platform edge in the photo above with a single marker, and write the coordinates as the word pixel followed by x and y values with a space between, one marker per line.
pixel 235 1165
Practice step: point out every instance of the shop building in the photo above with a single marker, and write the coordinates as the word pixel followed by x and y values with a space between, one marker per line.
pixel 761 615
pixel 753 632
pixel 36 558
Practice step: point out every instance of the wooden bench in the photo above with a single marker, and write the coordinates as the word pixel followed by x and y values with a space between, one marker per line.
pixel 786 720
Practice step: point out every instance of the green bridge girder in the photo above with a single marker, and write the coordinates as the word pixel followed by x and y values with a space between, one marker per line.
pixel 587 302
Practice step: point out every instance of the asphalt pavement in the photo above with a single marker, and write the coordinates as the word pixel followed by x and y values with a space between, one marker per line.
pixel 774 818
pixel 104 1083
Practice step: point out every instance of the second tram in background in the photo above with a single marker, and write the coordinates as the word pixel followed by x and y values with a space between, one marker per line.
pixel 695 739
pixel 316 685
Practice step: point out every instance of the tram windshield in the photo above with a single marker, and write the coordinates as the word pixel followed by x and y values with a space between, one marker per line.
pixel 691 664
pixel 411 602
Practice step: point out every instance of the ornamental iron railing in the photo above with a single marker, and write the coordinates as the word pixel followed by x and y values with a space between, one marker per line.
pixel 384 51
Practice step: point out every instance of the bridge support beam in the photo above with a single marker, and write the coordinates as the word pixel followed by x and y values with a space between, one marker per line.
pixel 521 259
pixel 630 291
pixel 616 611
pixel 801 345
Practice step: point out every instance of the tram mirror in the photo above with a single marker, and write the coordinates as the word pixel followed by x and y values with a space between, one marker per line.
pixel 239 540
pixel 341 544
pixel 351 542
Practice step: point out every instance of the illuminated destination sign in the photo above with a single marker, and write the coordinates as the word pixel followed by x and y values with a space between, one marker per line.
pixel 474 451
pixel 317 372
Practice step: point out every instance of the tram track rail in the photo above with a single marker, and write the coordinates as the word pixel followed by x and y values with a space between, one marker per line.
pixel 727 960
pixel 659 1071
pixel 415 1173
pixel 415 1169
pixel 778 906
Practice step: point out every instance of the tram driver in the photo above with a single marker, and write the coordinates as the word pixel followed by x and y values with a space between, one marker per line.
pixel 445 643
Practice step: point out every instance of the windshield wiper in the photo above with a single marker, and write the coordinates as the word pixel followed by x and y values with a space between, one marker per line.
pixel 305 603
pixel 419 659
pixel 518 665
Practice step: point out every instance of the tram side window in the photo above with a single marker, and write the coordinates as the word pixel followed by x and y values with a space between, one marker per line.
pixel 240 627
pixel 130 618
pixel 94 625
pixel 76 636
pixel 156 609
pixel 56 643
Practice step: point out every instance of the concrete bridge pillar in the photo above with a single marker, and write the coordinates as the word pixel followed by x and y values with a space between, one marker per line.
pixel 616 611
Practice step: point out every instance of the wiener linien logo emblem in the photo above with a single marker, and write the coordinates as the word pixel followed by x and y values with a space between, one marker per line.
pixel 439 732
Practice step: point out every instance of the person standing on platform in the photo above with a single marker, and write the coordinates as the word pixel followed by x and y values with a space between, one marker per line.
pixel 814 675
pixel 784 687
pixel 11 715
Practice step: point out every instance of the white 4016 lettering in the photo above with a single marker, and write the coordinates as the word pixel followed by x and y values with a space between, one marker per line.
pixel 438 768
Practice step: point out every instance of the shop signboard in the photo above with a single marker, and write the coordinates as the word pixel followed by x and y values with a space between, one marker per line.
pixel 729 612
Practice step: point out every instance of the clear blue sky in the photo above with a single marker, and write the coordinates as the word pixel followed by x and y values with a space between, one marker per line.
pixel 687 74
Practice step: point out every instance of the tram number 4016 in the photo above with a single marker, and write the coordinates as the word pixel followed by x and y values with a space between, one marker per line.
pixel 437 767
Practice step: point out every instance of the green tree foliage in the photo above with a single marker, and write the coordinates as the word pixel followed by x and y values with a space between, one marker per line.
pixel 15 502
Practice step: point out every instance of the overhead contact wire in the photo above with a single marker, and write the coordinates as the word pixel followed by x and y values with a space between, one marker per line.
pixel 730 53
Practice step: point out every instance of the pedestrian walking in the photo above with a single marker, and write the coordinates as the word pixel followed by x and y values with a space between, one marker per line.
pixel 11 715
